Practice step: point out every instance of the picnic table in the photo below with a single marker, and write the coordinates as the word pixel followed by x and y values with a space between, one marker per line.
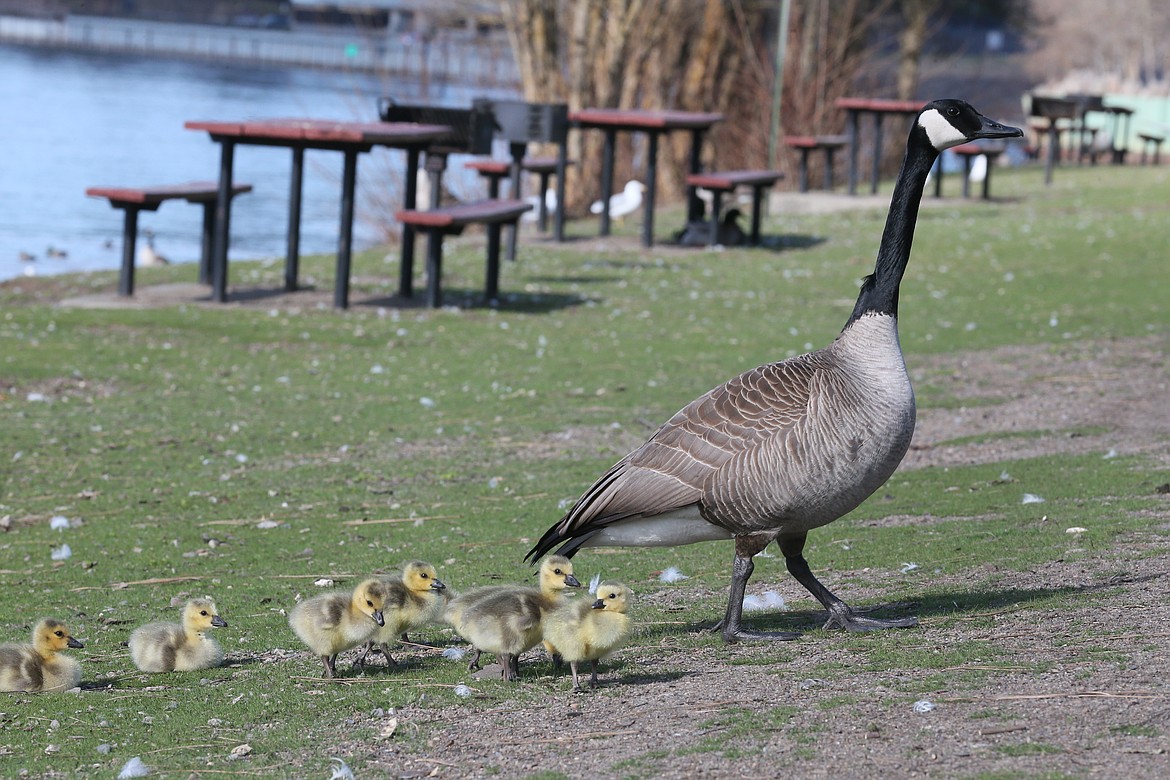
pixel 878 108
pixel 654 123
pixel 349 138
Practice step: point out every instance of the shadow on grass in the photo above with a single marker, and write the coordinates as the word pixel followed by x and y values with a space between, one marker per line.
pixel 462 298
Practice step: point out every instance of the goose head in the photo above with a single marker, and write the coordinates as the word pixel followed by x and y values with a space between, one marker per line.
pixel 52 636
pixel 951 122
pixel 613 597
pixel 420 577
pixel 556 573
pixel 200 614
pixel 368 598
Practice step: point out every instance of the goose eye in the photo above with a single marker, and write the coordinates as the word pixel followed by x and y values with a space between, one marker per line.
pixel 58 633
pixel 203 612
pixel 424 575
pixel 369 603
pixel 952 111
pixel 556 571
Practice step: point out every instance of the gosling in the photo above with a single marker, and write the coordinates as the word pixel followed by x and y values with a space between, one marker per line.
pixel 40 666
pixel 337 621
pixel 556 573
pixel 508 620
pixel 171 647
pixel 584 631
pixel 414 599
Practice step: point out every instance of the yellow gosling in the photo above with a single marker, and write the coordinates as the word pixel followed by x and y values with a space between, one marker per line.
pixel 589 631
pixel 40 666
pixel 337 621
pixel 171 647
pixel 507 620
pixel 414 599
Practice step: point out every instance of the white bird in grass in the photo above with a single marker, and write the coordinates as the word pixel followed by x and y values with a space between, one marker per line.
pixel 624 203
pixel 790 446
pixel 148 257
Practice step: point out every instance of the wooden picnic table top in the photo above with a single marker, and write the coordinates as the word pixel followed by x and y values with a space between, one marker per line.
pixel 880 105
pixel 312 131
pixel 644 119
pixel 194 191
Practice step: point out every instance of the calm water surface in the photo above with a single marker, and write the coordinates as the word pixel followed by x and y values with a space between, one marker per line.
pixel 70 121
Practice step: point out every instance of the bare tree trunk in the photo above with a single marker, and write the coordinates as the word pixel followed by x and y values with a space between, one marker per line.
pixel 916 16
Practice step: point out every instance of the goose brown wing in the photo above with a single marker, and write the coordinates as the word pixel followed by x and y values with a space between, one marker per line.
pixel 670 470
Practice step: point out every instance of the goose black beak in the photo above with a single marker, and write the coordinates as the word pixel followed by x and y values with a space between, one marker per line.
pixel 437 585
pixel 599 604
pixel 571 581
pixel 74 643
pixel 218 622
pixel 377 617
pixel 993 129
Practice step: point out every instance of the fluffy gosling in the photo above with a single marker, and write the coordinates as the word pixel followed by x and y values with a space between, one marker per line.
pixel 39 666
pixel 589 631
pixel 171 647
pixel 337 621
pixel 414 599
pixel 507 620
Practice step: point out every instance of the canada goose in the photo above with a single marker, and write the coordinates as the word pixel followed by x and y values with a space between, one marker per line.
pixel 27 257
pixel 590 630
pixel 790 446
pixel 54 252
pixel 171 647
pixel 40 666
pixel 507 620
pixel 413 599
pixel 337 621
pixel 624 203
pixel 148 256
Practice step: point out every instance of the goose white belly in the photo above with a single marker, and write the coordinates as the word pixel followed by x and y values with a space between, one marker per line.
pixel 669 529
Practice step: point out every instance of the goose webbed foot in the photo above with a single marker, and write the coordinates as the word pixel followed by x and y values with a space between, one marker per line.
pixel 841 615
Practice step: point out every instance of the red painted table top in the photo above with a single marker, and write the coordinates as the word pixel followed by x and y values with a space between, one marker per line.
pixel 644 119
pixel 323 130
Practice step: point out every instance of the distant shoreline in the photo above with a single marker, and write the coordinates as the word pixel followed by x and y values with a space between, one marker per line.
pixel 449 57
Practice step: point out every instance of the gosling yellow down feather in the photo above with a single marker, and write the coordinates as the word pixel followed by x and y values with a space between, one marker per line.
pixel 174 647
pixel 39 666
pixel 507 620
pixel 589 631
pixel 413 599
pixel 339 620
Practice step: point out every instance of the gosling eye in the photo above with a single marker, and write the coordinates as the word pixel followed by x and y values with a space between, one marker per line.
pixel 424 575
pixel 369 603
pixel 203 612
pixel 59 633
pixel 557 571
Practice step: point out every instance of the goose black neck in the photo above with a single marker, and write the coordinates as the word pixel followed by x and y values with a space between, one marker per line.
pixel 879 291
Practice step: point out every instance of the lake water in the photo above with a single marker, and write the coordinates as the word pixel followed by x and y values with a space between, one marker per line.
pixel 69 121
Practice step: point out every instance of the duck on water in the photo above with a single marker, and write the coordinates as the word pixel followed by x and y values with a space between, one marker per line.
pixel 785 447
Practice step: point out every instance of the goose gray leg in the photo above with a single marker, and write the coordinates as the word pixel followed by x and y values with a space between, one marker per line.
pixel 841 615
pixel 741 570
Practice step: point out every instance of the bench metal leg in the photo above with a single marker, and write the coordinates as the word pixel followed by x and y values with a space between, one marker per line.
pixel 967 159
pixel 223 211
pixel 607 177
pixel 651 182
pixel 293 257
pixel 207 243
pixel 804 169
pixel 345 239
pixel 854 144
pixel 129 236
pixel 434 268
pixel 542 204
pixel 491 286
pixel 409 201
pixel 757 207
pixel 518 151
pixel 562 166
pixel 829 151
pixel 987 181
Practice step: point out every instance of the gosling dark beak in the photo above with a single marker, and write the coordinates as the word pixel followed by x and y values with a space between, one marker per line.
pixel 571 581
pixel 377 616
pixel 437 585
pixel 218 622
pixel 74 643
pixel 599 604
pixel 993 129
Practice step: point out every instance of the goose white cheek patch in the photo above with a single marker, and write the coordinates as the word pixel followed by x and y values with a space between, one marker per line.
pixel 942 134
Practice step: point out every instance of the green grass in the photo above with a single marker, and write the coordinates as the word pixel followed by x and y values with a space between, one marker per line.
pixel 170 434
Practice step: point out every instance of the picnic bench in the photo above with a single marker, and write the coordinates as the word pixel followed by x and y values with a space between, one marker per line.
pixel 807 144
pixel 451 220
pixel 719 182
pixel 135 199
pixel 968 153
